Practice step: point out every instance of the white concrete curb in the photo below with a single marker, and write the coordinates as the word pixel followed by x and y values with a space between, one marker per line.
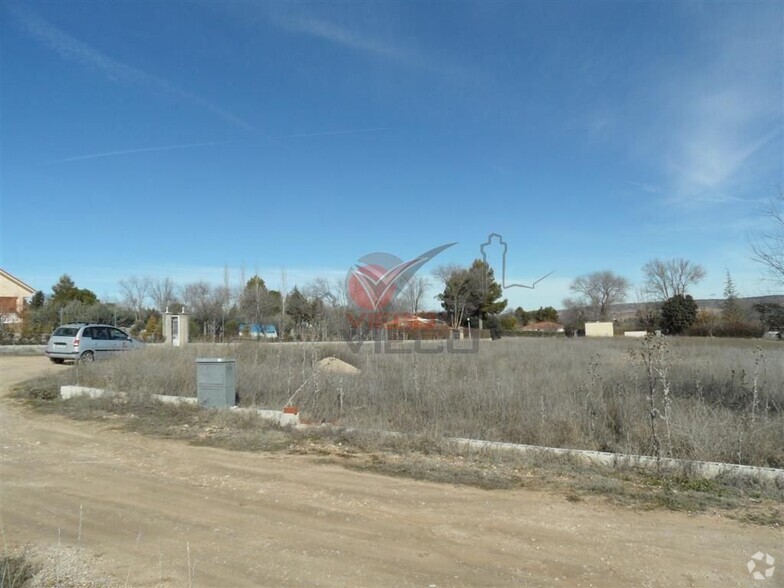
pixel 67 392
pixel 703 469
pixel 276 416
pixel 175 399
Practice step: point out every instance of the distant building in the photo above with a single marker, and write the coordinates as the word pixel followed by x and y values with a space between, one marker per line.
pixel 13 294
pixel 597 329
pixel 412 326
pixel 412 321
pixel 543 327
pixel 259 331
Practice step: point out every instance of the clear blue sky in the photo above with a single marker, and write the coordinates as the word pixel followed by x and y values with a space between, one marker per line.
pixel 178 138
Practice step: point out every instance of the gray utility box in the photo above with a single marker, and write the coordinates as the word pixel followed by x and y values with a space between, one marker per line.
pixel 215 383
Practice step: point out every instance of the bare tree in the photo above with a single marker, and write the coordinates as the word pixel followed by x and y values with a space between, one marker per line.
pixel 648 311
pixel 225 295
pixel 672 277
pixel 457 291
pixel 414 293
pixel 134 293
pixel 162 293
pixel 205 303
pixel 768 246
pixel 597 291
pixel 334 293
pixel 330 303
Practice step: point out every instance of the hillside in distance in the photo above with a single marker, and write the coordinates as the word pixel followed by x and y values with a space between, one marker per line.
pixel 628 309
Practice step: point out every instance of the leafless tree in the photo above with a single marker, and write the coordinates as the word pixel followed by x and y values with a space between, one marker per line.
pixel 134 293
pixel 226 297
pixel 414 293
pixel 597 291
pixel 334 293
pixel 768 246
pixel 162 293
pixel 330 300
pixel 648 311
pixel 458 295
pixel 204 302
pixel 672 277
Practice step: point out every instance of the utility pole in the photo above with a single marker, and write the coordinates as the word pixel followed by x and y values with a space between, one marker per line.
pixel 282 302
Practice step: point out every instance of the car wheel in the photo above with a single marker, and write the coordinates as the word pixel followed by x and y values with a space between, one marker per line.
pixel 57 360
pixel 87 357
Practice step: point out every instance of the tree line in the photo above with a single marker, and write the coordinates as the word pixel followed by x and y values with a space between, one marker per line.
pixel 468 296
pixel 664 303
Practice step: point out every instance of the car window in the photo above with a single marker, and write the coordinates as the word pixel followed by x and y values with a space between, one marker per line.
pixel 118 335
pixel 88 332
pixel 66 332
pixel 101 333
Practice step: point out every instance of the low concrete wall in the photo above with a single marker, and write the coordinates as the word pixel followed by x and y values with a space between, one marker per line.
pixel 275 416
pixel 703 469
pixel 639 334
pixel 175 399
pixel 68 392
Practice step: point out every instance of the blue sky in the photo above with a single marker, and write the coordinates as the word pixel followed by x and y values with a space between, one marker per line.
pixel 176 139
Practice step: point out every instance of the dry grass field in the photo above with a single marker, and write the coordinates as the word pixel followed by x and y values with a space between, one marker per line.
pixel 693 398
pixel 126 491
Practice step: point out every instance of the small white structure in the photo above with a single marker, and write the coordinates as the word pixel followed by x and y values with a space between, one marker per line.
pixel 175 328
pixel 638 334
pixel 598 329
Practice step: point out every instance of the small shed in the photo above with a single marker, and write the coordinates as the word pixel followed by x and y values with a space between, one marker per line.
pixel 599 329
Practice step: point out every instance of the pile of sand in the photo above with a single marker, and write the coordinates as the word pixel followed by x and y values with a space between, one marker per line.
pixel 334 365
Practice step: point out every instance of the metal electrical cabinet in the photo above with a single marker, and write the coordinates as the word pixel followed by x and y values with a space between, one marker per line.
pixel 216 382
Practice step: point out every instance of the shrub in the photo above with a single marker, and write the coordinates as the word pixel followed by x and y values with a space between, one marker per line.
pixel 678 314
pixel 16 571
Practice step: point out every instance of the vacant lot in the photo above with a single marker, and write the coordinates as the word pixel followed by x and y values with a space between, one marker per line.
pixel 146 512
pixel 714 400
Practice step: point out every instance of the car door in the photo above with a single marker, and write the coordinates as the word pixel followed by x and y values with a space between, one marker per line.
pixel 120 341
pixel 103 345
pixel 87 340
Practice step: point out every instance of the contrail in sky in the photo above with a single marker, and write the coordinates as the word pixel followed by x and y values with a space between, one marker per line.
pixel 129 151
pixel 192 145
pixel 72 49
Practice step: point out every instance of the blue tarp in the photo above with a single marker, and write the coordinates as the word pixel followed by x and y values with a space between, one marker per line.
pixel 255 330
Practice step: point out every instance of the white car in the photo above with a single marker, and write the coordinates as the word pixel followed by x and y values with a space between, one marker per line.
pixel 87 342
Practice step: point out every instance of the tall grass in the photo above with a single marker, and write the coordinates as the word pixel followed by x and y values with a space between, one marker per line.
pixel 720 400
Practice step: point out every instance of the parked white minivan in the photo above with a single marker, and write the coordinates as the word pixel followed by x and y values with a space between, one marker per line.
pixel 87 342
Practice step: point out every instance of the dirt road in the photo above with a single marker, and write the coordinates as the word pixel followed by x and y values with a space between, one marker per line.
pixel 149 507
